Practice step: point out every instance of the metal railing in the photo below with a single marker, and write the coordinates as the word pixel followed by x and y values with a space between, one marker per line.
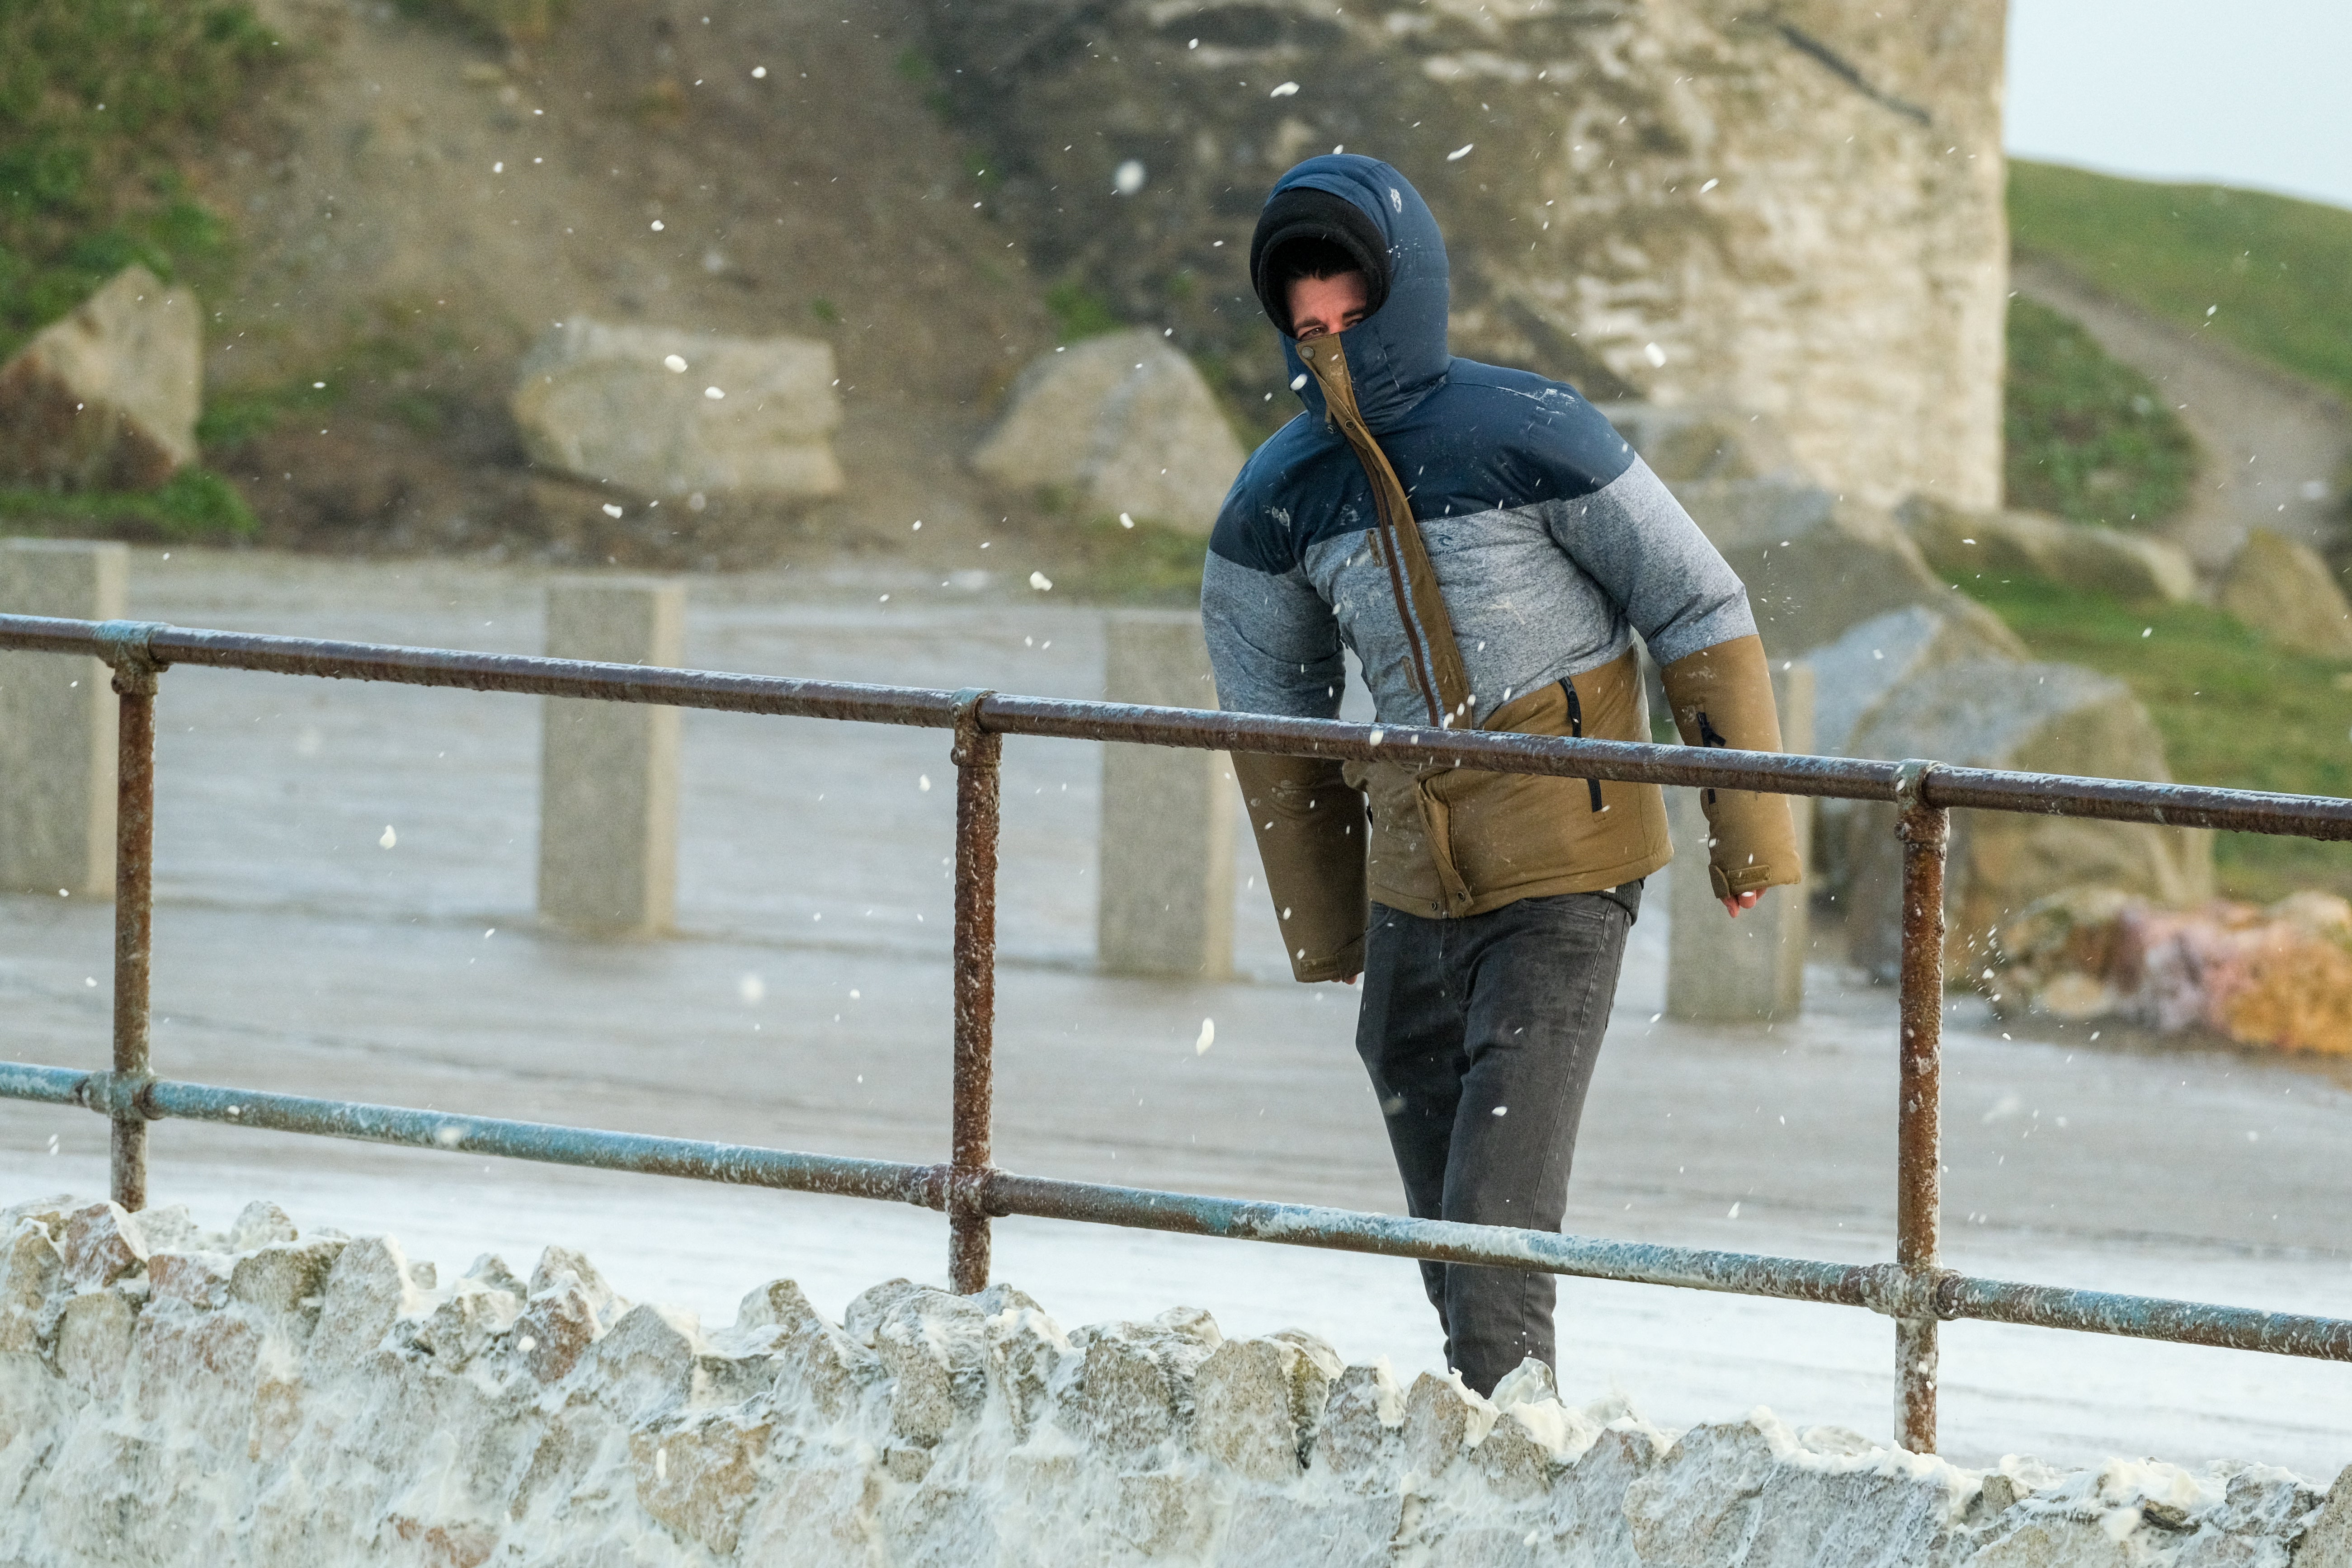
pixel 1914 1289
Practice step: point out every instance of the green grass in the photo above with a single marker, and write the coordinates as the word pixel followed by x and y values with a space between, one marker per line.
pixel 1106 562
pixel 2234 711
pixel 2087 437
pixel 1080 312
pixel 195 505
pixel 2275 273
pixel 99 100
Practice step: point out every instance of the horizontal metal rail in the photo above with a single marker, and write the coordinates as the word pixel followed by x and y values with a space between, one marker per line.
pixel 1984 789
pixel 1914 1289
pixel 1885 1288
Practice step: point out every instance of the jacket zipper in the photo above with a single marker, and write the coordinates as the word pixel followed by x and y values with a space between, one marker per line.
pixel 1575 729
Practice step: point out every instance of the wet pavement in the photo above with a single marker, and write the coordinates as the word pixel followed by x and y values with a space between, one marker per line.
pixel 803 1004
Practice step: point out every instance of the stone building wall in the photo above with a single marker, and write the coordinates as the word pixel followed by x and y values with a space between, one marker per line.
pixel 262 1397
pixel 1792 210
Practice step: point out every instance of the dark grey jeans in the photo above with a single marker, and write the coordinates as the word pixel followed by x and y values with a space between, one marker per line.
pixel 1480 1036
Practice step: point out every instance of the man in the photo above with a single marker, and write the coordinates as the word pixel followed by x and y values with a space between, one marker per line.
pixel 1488 546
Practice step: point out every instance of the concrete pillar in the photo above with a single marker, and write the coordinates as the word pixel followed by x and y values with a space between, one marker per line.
pixel 1166 865
pixel 56 724
pixel 1752 969
pixel 608 771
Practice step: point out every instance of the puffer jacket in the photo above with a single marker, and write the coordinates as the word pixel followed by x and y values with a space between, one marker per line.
pixel 1486 544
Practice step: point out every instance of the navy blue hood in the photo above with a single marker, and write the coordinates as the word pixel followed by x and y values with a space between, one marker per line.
pixel 1396 356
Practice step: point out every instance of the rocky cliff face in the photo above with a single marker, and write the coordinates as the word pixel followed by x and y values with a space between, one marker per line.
pixel 1794 210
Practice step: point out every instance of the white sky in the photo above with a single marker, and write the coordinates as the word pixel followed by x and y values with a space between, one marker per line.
pixel 2251 92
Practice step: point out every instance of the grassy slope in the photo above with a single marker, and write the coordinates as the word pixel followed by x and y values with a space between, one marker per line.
pixel 2234 709
pixel 2276 273
pixel 2086 437
pixel 100 100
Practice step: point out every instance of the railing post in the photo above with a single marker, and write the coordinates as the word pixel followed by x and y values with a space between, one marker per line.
pixel 1925 830
pixel 976 756
pixel 134 890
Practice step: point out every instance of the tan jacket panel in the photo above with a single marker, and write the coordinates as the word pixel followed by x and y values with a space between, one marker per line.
pixel 1310 836
pixel 1722 696
pixel 1459 841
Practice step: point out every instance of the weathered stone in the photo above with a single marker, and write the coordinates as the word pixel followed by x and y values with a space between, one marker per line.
pixel 1698 1507
pixel 2327 1539
pixel 102 1244
pixel 644 1364
pixel 1165 863
pixel 57 720
pixel 1816 566
pixel 2255 1525
pixel 1966 545
pixel 367 1289
pixel 601 401
pixel 935 1347
pixel 258 1224
pixel 94 1342
pixel 1132 1387
pixel 472 1322
pixel 558 1264
pixel 30 1270
pixel 1363 1421
pixel 1117 424
pixel 1693 442
pixel 286 1280
pixel 816 1361
pixel 701 1475
pixel 1026 1351
pixel 1854 673
pixel 1443 1420
pixel 2284 590
pixel 1255 1405
pixel 196 1280
pixel 1530 1440
pixel 107 398
pixel 2038 717
pixel 1666 200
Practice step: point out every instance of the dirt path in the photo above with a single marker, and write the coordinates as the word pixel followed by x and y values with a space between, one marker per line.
pixel 2273 443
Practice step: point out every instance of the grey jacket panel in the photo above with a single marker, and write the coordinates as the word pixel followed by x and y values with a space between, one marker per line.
pixel 1535 592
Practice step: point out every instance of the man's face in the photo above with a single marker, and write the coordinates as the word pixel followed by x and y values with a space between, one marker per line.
pixel 1322 306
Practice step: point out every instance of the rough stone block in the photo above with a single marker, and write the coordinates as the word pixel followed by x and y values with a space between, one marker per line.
pixel 1963 545
pixel 1698 1508
pixel 608 771
pixel 58 743
pixel 286 1279
pixel 1363 1421
pixel 2038 717
pixel 1255 1405
pixel 107 398
pixel 816 1361
pixel 2327 1539
pixel 367 1289
pixel 1720 970
pixel 2283 589
pixel 1120 423
pixel 1816 565
pixel 1444 1419
pixel 934 1346
pixel 103 1243
pixel 30 1272
pixel 1165 862
pixel 94 1336
pixel 632 406
pixel 701 1475
pixel 645 1365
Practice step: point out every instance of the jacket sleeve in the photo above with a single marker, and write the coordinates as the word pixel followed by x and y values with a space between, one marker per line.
pixel 1275 645
pixel 1637 540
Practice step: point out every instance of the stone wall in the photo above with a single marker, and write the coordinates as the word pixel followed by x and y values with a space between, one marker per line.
pixel 262 1397
pixel 1793 210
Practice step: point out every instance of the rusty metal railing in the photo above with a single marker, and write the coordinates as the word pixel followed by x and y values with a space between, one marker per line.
pixel 1914 1289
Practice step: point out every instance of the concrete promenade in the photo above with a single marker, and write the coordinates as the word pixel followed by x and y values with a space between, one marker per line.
pixel 804 1004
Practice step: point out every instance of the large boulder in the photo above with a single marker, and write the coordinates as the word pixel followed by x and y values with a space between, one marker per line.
pixel 1703 441
pixel 665 412
pixel 2034 718
pixel 1966 545
pixel 2283 589
pixel 1797 211
pixel 108 398
pixel 1117 422
pixel 1816 566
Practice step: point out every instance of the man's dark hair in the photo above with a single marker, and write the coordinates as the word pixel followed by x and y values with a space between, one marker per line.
pixel 1307 232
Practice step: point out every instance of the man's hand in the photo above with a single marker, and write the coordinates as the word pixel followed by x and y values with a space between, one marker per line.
pixel 1744 902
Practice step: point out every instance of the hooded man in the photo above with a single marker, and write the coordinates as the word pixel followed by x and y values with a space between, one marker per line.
pixel 1486 545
